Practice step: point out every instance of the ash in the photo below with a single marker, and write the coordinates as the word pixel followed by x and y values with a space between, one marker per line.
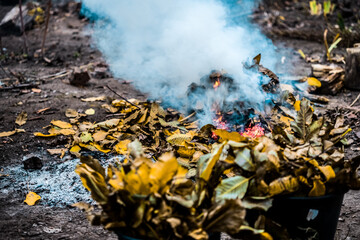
pixel 56 183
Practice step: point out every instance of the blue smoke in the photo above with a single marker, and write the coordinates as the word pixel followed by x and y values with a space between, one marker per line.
pixel 165 45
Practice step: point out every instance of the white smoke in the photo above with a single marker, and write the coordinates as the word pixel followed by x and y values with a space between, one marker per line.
pixel 164 45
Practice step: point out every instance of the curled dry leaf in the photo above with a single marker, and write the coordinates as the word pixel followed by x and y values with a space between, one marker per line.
pixel 21 118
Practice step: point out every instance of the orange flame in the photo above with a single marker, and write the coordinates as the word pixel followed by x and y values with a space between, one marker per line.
pixel 219 122
pixel 216 84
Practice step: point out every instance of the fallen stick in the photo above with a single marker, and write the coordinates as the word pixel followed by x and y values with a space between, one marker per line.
pixel 20 86
pixel 122 97
pixel 356 99
pixel 46 28
pixel 23 27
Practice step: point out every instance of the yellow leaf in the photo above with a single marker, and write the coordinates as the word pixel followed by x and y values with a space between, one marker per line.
pixel 31 198
pixel 328 172
pixel 90 111
pixel 21 118
pixel 7 134
pixel 225 136
pixel 286 120
pixel 163 171
pixel 101 149
pixel 121 147
pixel 287 184
pixel 71 113
pixel 318 189
pixel 65 132
pixel 75 150
pixel 61 124
pixel 206 170
pixel 297 105
pixel 266 236
pixel 313 82
pixel 99 136
pixel 137 180
pixel 94 182
pixel 93 99
pixel 39 134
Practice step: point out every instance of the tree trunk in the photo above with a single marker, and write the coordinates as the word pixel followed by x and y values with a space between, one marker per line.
pixel 352 68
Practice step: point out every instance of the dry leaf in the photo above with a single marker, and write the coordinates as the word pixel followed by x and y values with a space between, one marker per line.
pixel 21 118
pixel 90 111
pixel 7 134
pixel 36 90
pixel 39 134
pixel 93 99
pixel 75 150
pixel 31 198
pixel 71 113
pixel 58 151
pixel 313 82
pixel 61 124
pixel 99 135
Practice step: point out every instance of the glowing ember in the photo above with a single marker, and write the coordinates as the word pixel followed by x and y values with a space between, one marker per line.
pixel 216 84
pixel 220 123
pixel 254 132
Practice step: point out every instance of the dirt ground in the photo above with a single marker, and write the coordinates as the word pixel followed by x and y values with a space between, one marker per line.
pixel 68 46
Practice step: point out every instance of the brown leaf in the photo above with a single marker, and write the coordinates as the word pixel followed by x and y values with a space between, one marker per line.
pixel 226 216
pixel 21 118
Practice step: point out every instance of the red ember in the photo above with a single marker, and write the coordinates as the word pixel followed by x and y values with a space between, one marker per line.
pixel 254 132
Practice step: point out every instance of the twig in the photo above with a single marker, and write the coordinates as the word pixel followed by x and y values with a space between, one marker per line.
pixel 23 27
pixel 186 118
pixel 122 97
pixel 19 87
pixel 46 27
pixel 356 99
pixel 35 118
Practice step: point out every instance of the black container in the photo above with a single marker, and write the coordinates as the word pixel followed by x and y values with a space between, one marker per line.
pixel 298 214
pixel 212 236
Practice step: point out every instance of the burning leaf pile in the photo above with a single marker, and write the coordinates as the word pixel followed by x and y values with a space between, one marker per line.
pixel 191 182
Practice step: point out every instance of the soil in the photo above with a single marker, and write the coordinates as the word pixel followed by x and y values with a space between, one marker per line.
pixel 68 45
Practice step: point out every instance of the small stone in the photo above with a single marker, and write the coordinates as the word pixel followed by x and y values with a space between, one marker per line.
pixel 79 77
pixel 341 220
pixel 358 134
pixel 32 162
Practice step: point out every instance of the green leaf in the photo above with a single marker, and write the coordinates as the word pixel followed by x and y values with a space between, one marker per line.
pixel 243 159
pixel 231 188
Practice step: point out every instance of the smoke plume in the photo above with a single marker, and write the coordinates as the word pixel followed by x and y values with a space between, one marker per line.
pixel 165 45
